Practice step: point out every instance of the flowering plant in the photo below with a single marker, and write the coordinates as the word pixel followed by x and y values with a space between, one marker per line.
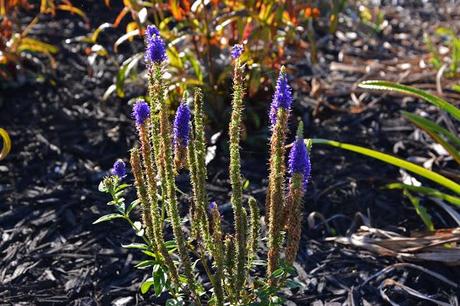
pixel 229 260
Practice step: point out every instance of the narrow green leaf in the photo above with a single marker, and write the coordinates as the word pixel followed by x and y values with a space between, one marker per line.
pixel 426 123
pixel 431 129
pixel 108 218
pixel 131 206
pixel 431 192
pixel 420 210
pixel 389 159
pixel 141 246
pixel 146 263
pixel 390 86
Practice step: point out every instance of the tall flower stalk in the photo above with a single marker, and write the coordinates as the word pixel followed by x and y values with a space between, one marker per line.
pixel 299 171
pixel 279 114
pixel 235 165
pixel 155 56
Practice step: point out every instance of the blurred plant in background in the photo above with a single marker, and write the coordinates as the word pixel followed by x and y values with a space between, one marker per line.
pixel 445 56
pixel 18 50
pixel 200 33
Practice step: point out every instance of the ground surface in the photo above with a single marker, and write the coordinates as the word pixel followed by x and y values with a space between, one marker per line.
pixel 65 139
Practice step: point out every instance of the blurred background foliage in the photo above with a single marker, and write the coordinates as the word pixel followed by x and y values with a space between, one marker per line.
pixel 18 49
pixel 200 34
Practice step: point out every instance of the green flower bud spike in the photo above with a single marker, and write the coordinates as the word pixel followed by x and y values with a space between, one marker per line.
pixel 218 253
pixel 171 197
pixel 147 218
pixel 200 160
pixel 254 229
pixel 235 172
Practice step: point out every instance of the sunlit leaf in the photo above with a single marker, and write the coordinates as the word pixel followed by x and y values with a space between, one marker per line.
pixel 390 86
pixel 112 88
pixel 389 159
pixel 176 10
pixel 146 263
pixel 6 147
pixel 98 31
pixel 431 192
pixel 130 27
pixel 435 131
pixel 108 218
pixel 34 45
pixel 120 16
pixel 146 285
pixel 74 10
pixel 140 246
pixel 124 38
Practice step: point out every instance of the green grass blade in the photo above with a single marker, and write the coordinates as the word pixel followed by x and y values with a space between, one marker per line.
pixel 433 126
pixel 420 210
pixel 431 192
pixel 434 130
pixel 390 86
pixel 389 159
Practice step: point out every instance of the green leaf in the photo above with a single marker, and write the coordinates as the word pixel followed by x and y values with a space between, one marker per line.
pixel 420 210
pixel 34 45
pixel 434 130
pixel 146 263
pixel 108 218
pixel 426 123
pixel 389 159
pixel 141 246
pixel 277 273
pixel 390 86
pixel 150 254
pixel 431 192
pixel 145 286
pixel 132 206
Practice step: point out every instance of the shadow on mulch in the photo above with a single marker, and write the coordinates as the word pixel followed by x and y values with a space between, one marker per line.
pixel 64 142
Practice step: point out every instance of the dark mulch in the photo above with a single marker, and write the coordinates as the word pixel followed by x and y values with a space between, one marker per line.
pixel 65 140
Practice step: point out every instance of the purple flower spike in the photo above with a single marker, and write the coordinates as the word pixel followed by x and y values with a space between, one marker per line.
pixel 237 50
pixel 282 97
pixel 156 48
pixel 299 160
pixel 182 125
pixel 141 111
pixel 152 30
pixel 119 169
pixel 212 205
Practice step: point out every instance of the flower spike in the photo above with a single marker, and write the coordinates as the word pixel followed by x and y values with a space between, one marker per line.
pixel 181 133
pixel 119 169
pixel 141 112
pixel 299 159
pixel 151 31
pixel 182 125
pixel 237 50
pixel 299 169
pixel 282 97
pixel 156 47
